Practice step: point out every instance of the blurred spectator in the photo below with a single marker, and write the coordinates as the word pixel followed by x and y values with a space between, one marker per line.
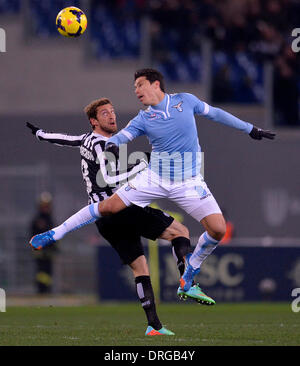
pixel 222 91
pixel 246 32
pixel 41 222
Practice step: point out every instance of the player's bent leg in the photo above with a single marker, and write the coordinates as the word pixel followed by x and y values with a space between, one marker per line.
pixel 145 293
pixel 87 215
pixel 215 229
pixel 139 266
pixel 178 234
pixel 215 226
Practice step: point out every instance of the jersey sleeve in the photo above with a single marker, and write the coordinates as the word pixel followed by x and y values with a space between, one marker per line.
pixel 133 129
pixel 217 114
pixel 199 107
pixel 109 170
pixel 59 138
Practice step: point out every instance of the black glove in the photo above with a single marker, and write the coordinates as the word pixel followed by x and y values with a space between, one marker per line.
pixel 33 128
pixel 257 134
pixel 112 148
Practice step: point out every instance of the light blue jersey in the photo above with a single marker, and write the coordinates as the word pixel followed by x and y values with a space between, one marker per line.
pixel 171 129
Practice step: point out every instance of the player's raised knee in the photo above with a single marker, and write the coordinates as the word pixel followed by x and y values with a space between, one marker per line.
pixel 111 205
pixel 218 232
pixel 106 207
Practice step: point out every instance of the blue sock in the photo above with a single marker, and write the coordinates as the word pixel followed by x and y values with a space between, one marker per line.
pixel 206 245
pixel 85 216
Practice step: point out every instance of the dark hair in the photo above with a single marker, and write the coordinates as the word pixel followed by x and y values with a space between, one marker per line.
pixel 91 109
pixel 151 75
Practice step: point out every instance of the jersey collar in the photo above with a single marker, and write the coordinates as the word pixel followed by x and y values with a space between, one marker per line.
pixel 162 107
pixel 99 135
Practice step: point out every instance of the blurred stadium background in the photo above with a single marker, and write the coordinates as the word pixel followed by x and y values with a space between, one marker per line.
pixel 235 54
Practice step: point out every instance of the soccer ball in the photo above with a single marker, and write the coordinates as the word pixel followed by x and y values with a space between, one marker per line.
pixel 71 22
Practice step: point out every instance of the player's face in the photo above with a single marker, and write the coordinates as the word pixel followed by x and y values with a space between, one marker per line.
pixel 146 92
pixel 106 119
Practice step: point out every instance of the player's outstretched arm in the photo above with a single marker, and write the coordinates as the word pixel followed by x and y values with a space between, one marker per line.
pixel 228 119
pixel 55 138
pixel 221 116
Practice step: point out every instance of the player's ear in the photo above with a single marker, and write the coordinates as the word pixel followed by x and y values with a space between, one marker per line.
pixel 157 84
pixel 93 122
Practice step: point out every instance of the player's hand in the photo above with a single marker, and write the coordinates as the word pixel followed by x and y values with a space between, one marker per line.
pixel 258 134
pixel 112 148
pixel 33 128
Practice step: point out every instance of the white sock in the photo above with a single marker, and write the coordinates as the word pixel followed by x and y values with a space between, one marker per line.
pixel 85 216
pixel 204 248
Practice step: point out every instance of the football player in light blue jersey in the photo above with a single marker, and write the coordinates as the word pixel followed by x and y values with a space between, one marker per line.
pixel 171 128
pixel 170 125
pixel 174 171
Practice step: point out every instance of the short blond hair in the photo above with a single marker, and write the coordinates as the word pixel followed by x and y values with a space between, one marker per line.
pixel 91 109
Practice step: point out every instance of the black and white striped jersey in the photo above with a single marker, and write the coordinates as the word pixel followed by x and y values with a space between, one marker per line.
pixel 101 177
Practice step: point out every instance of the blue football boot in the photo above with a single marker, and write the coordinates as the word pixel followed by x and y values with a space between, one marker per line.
pixel 40 241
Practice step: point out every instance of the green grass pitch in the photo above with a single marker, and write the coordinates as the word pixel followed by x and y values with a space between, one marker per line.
pixel 257 324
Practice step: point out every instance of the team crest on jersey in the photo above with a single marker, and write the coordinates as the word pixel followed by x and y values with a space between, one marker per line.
pixel 178 106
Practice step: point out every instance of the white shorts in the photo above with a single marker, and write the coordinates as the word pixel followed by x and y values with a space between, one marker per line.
pixel 192 195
